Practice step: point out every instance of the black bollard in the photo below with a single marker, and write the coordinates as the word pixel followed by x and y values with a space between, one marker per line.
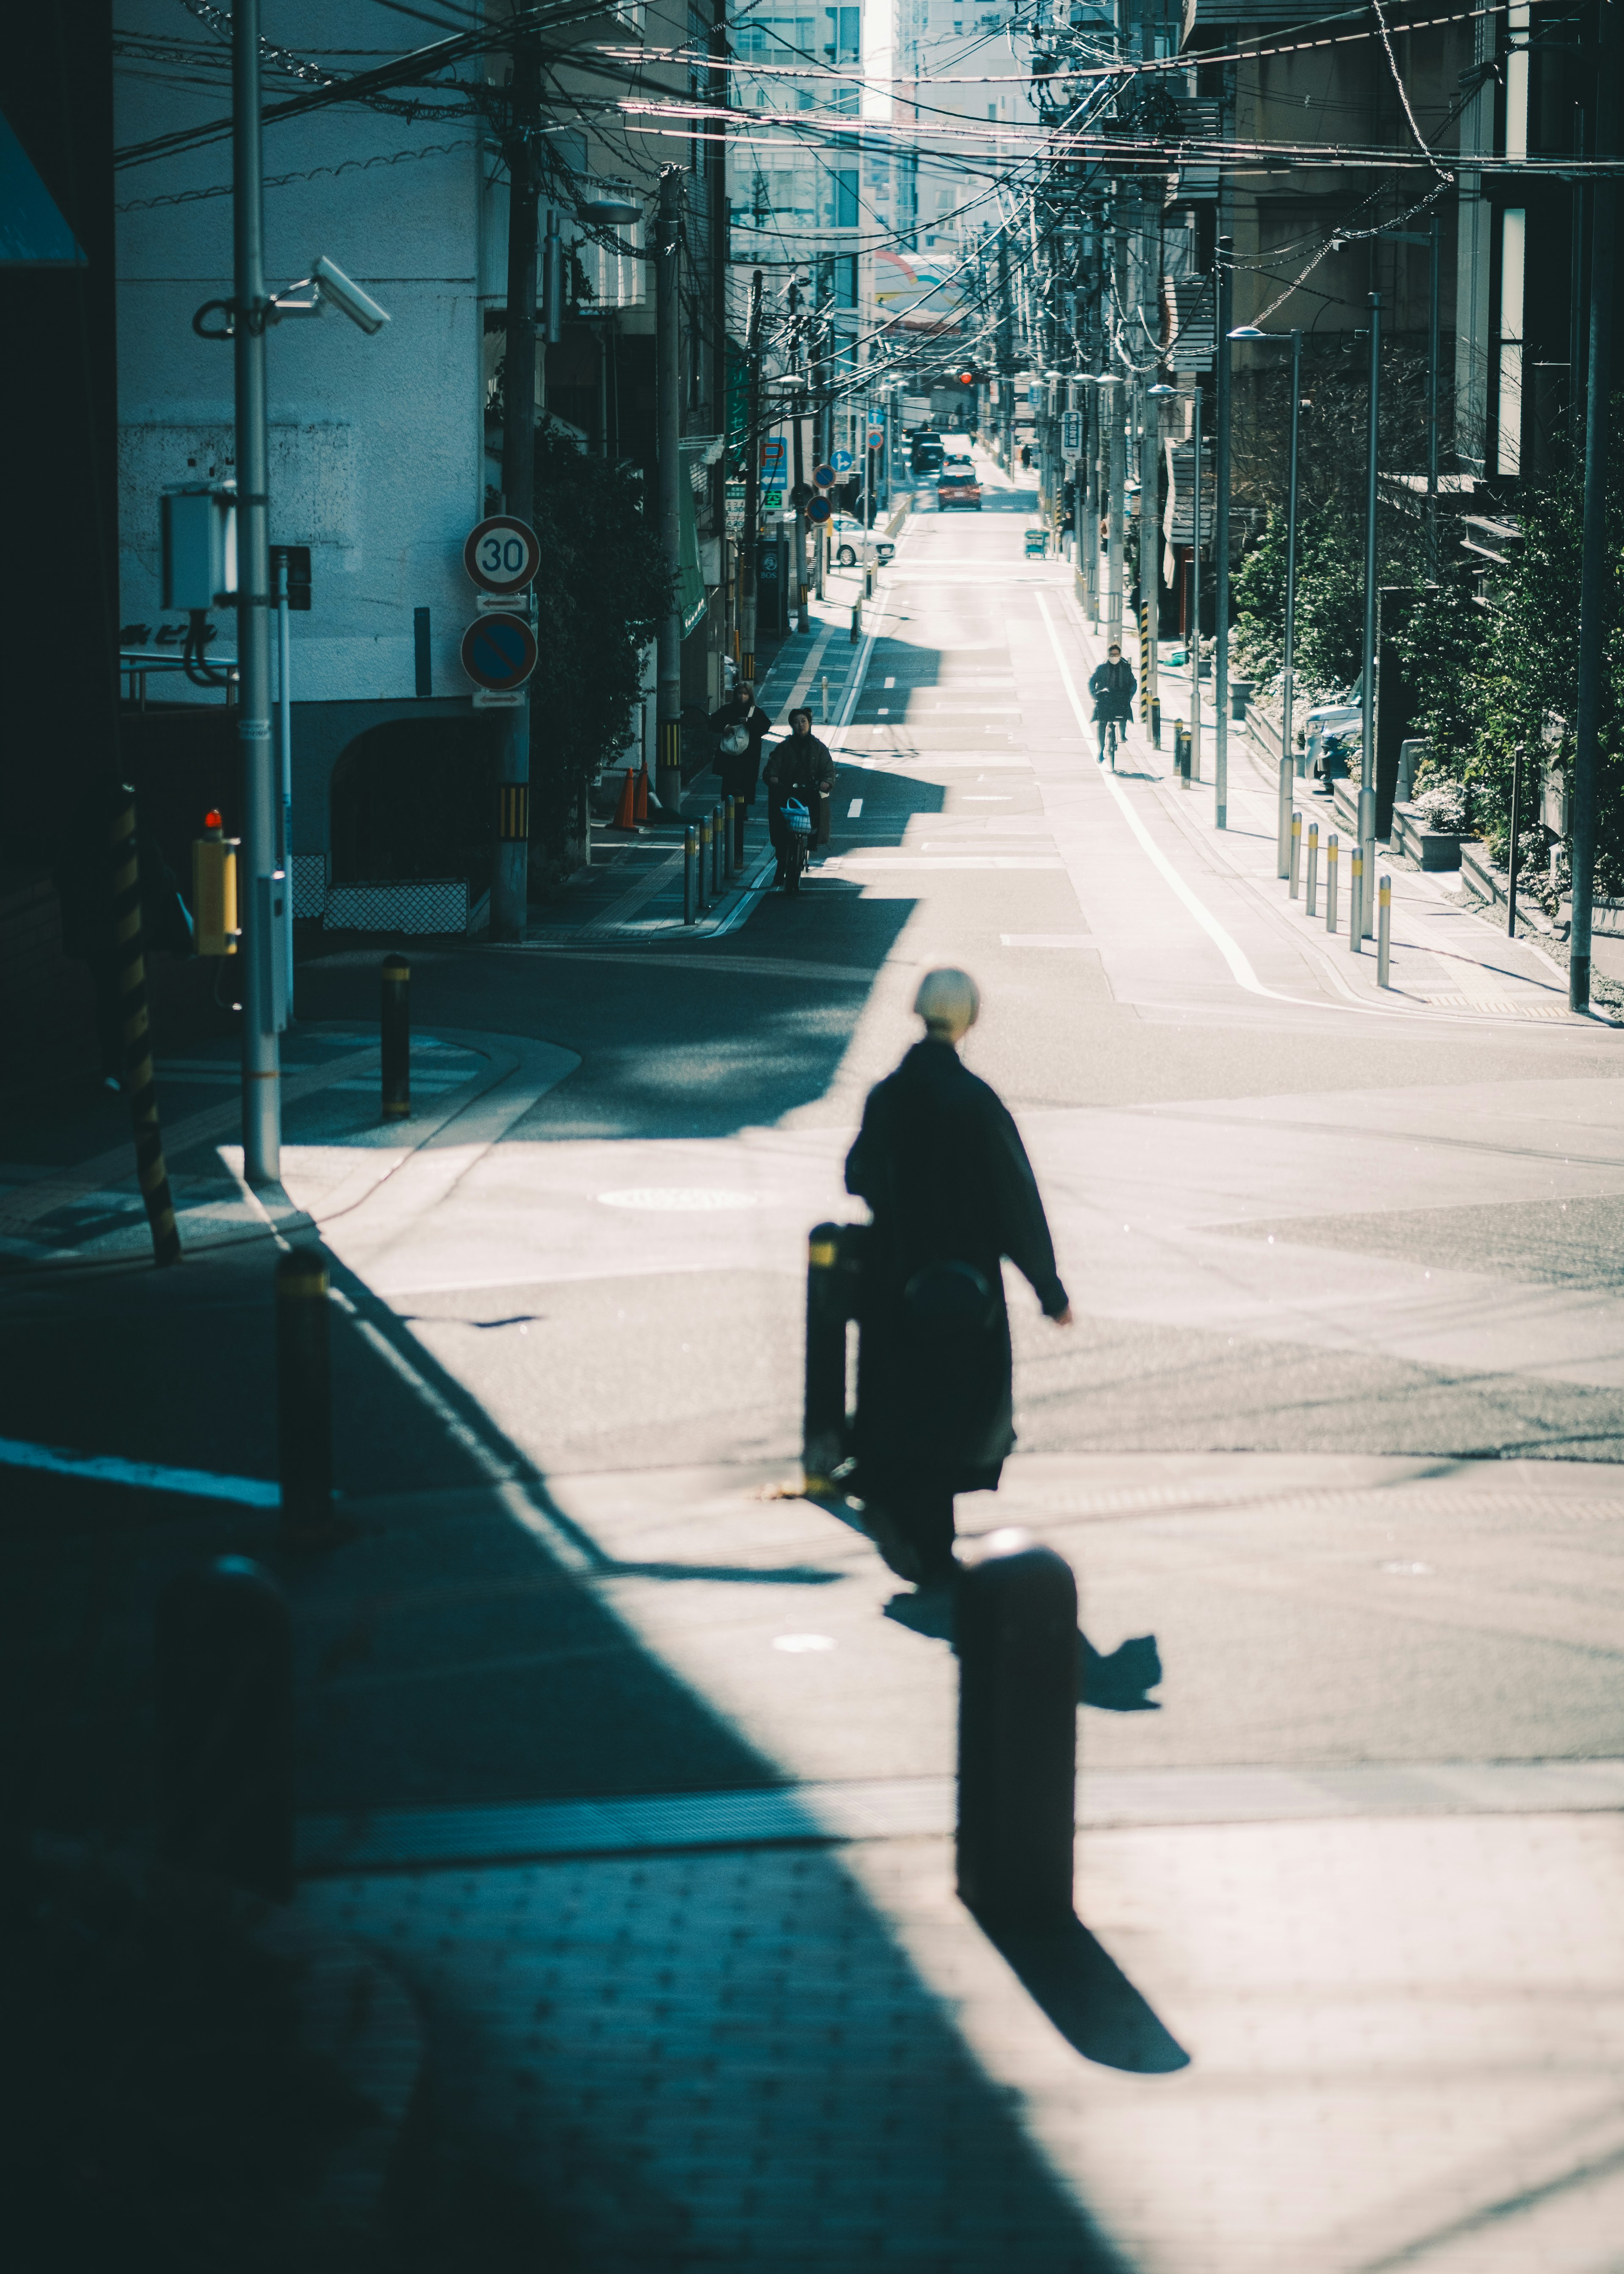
pixel 303 1397
pixel 833 1261
pixel 225 1708
pixel 739 834
pixel 1155 722
pixel 690 862
pixel 716 834
pixel 704 859
pixel 1015 1629
pixel 396 1038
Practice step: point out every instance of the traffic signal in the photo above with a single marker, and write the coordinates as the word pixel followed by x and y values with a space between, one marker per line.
pixel 966 378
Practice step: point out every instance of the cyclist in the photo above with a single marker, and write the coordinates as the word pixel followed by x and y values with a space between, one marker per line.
pixel 1113 687
pixel 802 768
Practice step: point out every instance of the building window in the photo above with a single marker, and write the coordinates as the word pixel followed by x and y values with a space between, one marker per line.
pixel 1509 450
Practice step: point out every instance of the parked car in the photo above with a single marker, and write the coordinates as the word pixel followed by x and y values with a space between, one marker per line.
pixel 957 486
pixel 850 540
pixel 927 455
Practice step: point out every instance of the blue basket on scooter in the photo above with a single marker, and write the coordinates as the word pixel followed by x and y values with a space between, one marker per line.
pixel 797 820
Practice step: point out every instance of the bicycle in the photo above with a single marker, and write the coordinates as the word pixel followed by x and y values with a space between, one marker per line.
pixel 1108 749
pixel 798 821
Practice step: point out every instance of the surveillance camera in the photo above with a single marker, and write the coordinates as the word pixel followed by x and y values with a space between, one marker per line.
pixel 332 285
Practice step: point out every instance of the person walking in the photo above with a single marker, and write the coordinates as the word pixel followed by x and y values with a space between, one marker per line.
pixel 801 767
pixel 941 1164
pixel 740 723
pixel 1113 687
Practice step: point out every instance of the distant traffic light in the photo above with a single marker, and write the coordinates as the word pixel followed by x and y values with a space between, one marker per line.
pixel 966 378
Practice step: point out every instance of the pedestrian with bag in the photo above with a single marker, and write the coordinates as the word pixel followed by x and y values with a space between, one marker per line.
pixel 741 724
pixel 940 1162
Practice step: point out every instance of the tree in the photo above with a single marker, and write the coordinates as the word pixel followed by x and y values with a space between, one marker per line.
pixel 600 594
pixel 1494 676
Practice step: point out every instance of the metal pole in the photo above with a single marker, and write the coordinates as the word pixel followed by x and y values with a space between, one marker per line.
pixel 1287 759
pixel 1594 562
pixel 668 459
pixel 1331 850
pixel 1431 410
pixel 752 479
pixel 1383 931
pixel 1311 886
pixel 1360 910
pixel 261 1066
pixel 284 754
pixel 510 871
pixel 1221 542
pixel 1295 857
pixel 1193 644
pixel 1511 850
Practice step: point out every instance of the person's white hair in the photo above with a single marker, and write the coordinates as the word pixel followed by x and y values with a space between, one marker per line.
pixel 948 1001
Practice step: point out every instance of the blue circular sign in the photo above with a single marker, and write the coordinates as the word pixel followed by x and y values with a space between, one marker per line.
pixel 819 509
pixel 823 475
pixel 841 461
pixel 499 652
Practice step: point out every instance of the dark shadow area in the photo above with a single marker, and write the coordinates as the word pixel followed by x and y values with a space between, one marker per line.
pixel 1113 1682
pixel 457 1651
pixel 412 798
pixel 1089 1999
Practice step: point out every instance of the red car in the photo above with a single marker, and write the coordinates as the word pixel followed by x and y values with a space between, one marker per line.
pixel 957 485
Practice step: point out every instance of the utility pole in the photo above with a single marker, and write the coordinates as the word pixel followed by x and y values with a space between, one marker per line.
pixel 799 466
pixel 1365 898
pixel 1192 645
pixel 1594 563
pixel 1221 540
pixel 1111 403
pixel 1006 349
pixel 510 873
pixel 752 479
pixel 1431 407
pixel 262 1055
pixel 668 460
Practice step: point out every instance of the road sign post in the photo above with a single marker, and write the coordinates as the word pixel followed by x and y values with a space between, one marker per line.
pixel 498 654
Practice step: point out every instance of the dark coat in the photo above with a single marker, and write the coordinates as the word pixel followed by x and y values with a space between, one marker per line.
pixel 941 1163
pixel 739 775
pixel 1113 687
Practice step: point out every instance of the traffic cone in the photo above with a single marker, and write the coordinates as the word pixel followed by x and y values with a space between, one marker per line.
pixel 642 792
pixel 625 812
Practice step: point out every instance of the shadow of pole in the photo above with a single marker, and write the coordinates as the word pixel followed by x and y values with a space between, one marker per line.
pixel 1077 1984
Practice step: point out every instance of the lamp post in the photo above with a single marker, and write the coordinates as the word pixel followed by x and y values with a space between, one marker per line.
pixel 1150 587
pixel 1361 915
pixel 1287 764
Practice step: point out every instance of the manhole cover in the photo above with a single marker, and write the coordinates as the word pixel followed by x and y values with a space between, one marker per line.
pixel 677 1198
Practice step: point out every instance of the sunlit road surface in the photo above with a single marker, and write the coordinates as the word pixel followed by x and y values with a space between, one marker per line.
pixel 1338 1421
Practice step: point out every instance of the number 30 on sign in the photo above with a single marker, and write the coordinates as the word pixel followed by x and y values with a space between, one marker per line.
pixel 502 555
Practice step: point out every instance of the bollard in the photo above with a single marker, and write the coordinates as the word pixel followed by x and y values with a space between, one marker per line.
pixel 823 714
pixel 690 862
pixel 856 620
pixel 1015 1622
pixel 1356 901
pixel 1312 882
pixel 303 1397
pixel 739 812
pixel 1296 852
pixel 395 1038
pixel 833 1257
pixel 1384 929
pixel 1330 882
pixel 729 866
pixel 1155 723
pixel 1511 850
pixel 868 581
pixel 223 1701
pixel 717 833
pixel 704 861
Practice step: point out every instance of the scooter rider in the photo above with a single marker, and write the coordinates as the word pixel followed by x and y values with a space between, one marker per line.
pixel 800 767
pixel 1113 687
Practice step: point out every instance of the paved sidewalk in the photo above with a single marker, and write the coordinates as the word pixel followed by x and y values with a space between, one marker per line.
pixel 1338 2017
pixel 1446 955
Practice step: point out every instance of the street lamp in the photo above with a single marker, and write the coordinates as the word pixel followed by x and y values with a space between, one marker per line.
pixel 1192 644
pixel 1287 764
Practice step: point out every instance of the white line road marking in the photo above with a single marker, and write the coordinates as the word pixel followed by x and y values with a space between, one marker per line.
pixel 855 809
pixel 145 1476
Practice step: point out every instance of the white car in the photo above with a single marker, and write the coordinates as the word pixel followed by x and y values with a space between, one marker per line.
pixel 849 541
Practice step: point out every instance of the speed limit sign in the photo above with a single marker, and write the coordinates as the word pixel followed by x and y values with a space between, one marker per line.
pixel 502 555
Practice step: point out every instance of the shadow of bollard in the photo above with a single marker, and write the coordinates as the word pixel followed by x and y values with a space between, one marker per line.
pixel 1089 1999
pixel 223 1686
pixel 1017 1654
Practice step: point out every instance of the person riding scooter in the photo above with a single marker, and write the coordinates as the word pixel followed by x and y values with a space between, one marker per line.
pixel 800 768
